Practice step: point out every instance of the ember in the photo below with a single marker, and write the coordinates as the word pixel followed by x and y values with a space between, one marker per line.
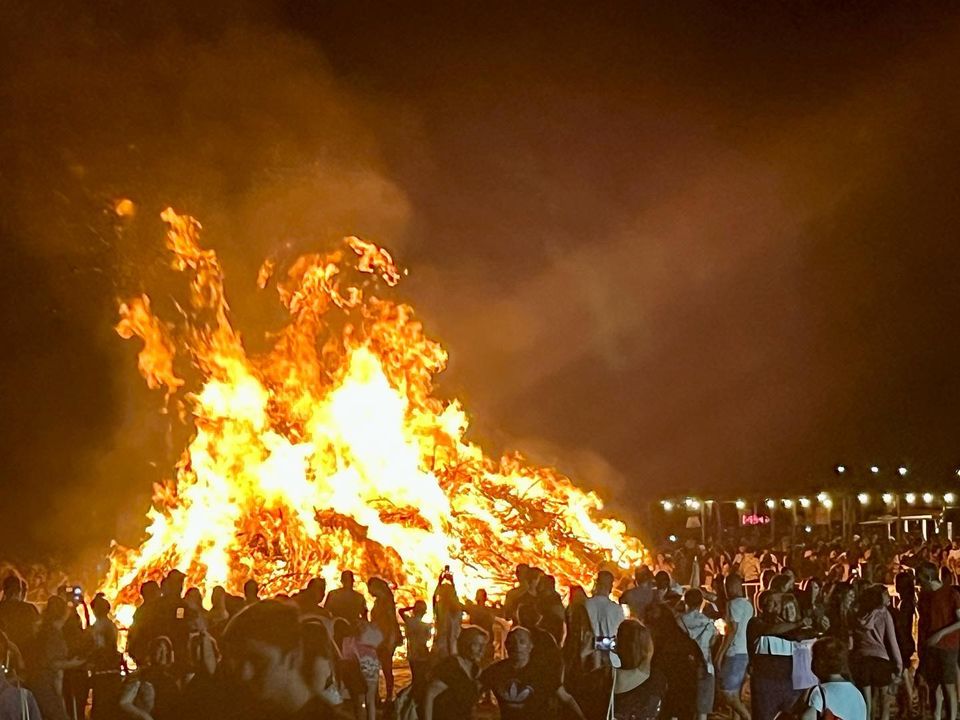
pixel 330 451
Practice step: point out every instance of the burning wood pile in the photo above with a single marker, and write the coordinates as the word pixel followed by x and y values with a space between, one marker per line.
pixel 330 450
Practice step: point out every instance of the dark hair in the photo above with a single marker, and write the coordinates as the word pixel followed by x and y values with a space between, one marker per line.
pixel 829 658
pixel 634 644
pixel 927 571
pixel 733 583
pixel 693 598
pixel 871 599
pixel 270 622
pixel 528 615
pixel 512 636
pixel 56 608
pixel 906 587
pixel 467 636
pixel 12 585
pixel 779 583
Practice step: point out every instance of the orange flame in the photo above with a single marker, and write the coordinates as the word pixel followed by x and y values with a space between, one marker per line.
pixel 330 451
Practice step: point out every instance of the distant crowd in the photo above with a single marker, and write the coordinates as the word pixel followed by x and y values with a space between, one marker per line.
pixel 848 630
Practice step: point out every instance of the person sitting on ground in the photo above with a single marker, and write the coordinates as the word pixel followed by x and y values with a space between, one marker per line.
pixel 453 690
pixel 345 602
pixel 835 696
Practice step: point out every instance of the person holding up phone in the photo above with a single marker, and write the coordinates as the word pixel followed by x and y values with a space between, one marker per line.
pixel 605 614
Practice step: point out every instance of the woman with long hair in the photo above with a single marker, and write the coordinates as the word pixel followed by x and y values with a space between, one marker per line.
pixel 876 654
pixel 448 617
pixel 634 691
pixel 384 615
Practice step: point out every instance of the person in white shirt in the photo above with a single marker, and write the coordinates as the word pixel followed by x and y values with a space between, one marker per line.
pixel 835 692
pixel 733 657
pixel 605 614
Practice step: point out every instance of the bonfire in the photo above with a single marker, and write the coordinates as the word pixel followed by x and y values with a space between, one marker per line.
pixel 331 450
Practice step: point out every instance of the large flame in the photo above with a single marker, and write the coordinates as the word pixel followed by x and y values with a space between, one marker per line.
pixel 330 450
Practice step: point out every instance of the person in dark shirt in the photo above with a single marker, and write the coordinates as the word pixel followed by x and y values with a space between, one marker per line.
pixel 453 690
pixel 263 654
pixel 637 689
pixel 345 602
pixel 18 618
pixel 524 689
pixel 145 625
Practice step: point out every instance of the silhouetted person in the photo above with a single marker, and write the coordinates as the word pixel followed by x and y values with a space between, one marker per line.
pixel 18 618
pixel 345 602
pixel 145 626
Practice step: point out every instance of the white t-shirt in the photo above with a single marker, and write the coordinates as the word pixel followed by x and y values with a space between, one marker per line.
pixel 605 616
pixel 739 610
pixel 843 700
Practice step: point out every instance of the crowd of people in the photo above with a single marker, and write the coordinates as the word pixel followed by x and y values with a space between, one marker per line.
pixel 855 630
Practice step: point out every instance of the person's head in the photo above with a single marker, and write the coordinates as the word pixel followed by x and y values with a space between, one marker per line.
pixel 13 587
pixel 55 612
pixel 528 615
pixel 317 589
pixel 928 575
pixel 172 584
pixel 263 650
pixel 905 585
pixel 662 581
pixel 829 659
pixel 547 584
pixel 160 652
pixel 419 609
pixel 634 644
pixel 789 608
pixel 872 598
pixel 521 573
pixel 320 656
pixel 346 580
pixel 471 643
pixel 519 645
pixel 149 591
pixel 578 596
pixel 480 598
pixel 769 603
pixel 193 598
pixel 218 598
pixel 693 599
pixel 604 584
pixel 642 575
pixel 733 585
pixel 251 591
pixel 781 583
pixel 379 589
pixel 100 606
pixel 534 576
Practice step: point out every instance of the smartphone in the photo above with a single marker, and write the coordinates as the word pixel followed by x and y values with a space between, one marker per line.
pixel 605 644
pixel 180 613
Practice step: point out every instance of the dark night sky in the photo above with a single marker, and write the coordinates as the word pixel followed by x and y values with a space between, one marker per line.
pixel 668 245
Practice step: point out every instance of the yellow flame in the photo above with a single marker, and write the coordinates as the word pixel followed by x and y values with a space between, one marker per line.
pixel 331 451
